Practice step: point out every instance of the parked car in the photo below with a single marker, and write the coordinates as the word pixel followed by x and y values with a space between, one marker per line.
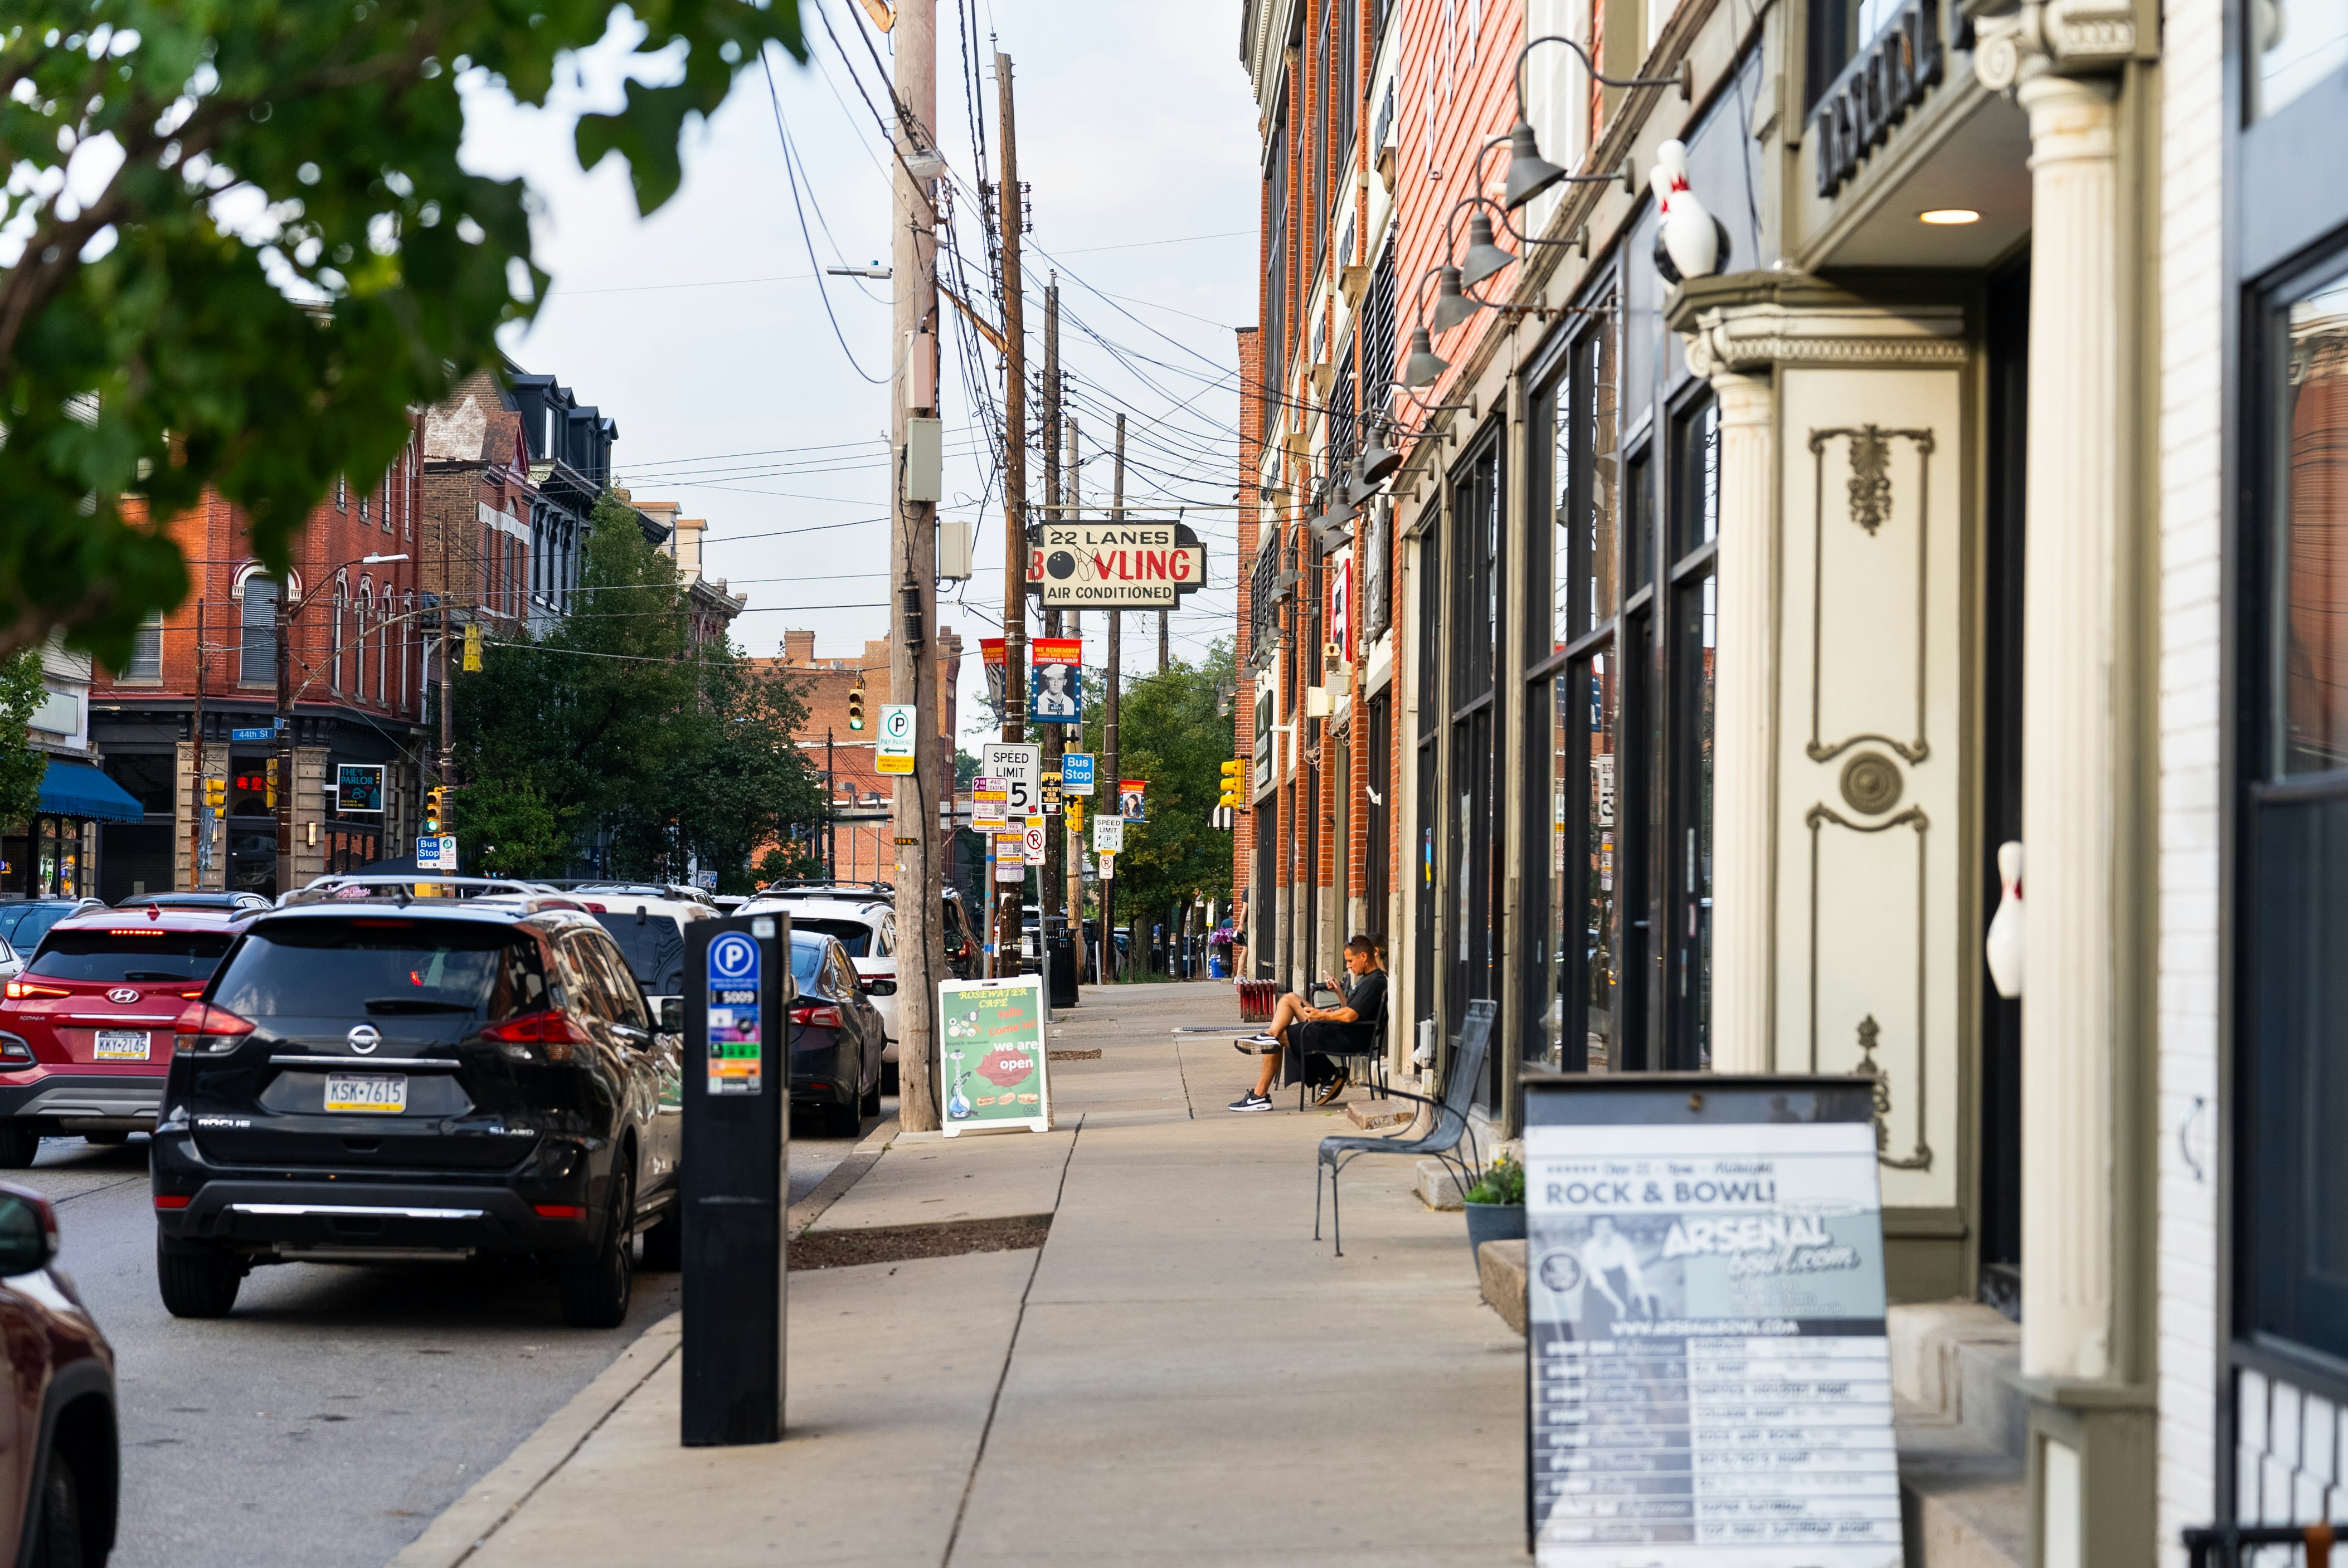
pixel 382 1077
pixel 836 1036
pixel 199 898
pixel 24 921
pixel 85 1029
pixel 962 942
pixel 649 931
pixel 61 1471
pixel 865 923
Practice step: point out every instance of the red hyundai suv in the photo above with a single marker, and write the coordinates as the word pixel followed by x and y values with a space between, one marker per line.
pixel 86 1030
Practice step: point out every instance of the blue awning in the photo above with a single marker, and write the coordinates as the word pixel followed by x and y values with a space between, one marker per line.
pixel 76 789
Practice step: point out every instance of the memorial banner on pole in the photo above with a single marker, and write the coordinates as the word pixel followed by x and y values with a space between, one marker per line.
pixel 991 1035
pixel 1710 1380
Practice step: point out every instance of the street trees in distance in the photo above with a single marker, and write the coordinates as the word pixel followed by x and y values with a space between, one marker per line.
pixel 619 729
pixel 237 247
pixel 1171 733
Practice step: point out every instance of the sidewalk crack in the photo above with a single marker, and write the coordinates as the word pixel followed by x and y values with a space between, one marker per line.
pixel 970 1483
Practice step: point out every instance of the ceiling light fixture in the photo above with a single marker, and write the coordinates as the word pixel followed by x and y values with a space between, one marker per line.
pixel 1949 216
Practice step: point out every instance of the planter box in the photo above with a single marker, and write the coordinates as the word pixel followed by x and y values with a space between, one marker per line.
pixel 1494 1222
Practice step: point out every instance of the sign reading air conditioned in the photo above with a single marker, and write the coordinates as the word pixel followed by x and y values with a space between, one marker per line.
pixel 1113 566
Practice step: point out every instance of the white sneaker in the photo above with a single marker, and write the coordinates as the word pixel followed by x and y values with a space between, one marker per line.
pixel 1260 1039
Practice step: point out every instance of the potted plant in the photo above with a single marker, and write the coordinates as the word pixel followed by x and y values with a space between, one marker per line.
pixel 1496 1204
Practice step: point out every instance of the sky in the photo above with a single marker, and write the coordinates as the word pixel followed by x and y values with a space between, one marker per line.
pixel 702 329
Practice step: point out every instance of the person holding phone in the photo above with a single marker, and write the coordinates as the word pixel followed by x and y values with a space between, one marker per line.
pixel 1297 1024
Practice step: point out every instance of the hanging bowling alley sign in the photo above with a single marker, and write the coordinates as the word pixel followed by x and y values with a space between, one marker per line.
pixel 1131 565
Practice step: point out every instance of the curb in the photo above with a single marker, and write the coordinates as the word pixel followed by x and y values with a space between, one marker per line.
pixel 467 1524
pixel 844 1175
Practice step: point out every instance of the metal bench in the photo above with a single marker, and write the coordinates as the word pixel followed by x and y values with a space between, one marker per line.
pixel 1443 1140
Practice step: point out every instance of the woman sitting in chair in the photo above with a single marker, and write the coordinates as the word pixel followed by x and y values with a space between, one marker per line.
pixel 1349 1028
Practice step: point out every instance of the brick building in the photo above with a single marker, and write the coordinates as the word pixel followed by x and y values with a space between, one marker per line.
pixel 355 669
pixel 859 846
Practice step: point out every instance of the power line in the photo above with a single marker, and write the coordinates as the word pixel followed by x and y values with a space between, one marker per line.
pixel 790 172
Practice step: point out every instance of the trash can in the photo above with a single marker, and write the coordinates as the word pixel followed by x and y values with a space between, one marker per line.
pixel 1063 974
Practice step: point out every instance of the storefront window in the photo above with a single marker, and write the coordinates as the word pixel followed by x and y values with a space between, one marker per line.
pixel 1694 633
pixel 2310 725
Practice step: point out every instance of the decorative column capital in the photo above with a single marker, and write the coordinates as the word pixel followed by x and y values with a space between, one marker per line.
pixel 2062 37
pixel 1745 324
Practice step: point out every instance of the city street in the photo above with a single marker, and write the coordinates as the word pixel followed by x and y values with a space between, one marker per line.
pixel 339 1408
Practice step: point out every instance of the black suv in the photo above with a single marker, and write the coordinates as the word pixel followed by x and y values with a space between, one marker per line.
pixel 377 1078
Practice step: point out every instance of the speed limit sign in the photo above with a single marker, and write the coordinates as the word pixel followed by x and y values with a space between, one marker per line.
pixel 1035 848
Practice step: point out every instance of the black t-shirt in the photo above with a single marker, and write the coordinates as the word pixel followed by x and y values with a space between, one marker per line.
pixel 1367 997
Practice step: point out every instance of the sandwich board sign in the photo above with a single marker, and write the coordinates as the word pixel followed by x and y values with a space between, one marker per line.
pixel 1709 1376
pixel 992 1036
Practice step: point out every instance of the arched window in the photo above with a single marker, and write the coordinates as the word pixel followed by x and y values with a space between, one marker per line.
pixel 384 633
pixel 366 614
pixel 257 629
pixel 407 645
pixel 335 649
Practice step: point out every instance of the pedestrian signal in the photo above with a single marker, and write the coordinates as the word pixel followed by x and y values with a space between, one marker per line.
pixel 1234 793
pixel 856 707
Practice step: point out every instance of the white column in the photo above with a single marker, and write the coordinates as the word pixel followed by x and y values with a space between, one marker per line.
pixel 1746 673
pixel 2070 782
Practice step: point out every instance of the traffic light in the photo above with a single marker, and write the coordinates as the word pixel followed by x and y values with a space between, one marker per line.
pixel 216 795
pixel 856 707
pixel 472 649
pixel 1074 810
pixel 1234 784
pixel 269 792
pixel 436 801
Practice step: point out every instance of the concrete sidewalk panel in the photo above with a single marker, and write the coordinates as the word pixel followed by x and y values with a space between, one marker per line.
pixel 892 1369
pixel 996 1175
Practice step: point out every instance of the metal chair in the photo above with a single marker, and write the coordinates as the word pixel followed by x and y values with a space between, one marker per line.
pixel 1367 1044
pixel 1442 1140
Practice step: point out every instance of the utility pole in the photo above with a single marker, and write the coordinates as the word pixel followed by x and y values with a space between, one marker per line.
pixel 913 535
pixel 1104 777
pixel 448 630
pixel 1161 641
pixel 1070 850
pixel 831 828
pixel 285 747
pixel 1053 736
pixel 1015 472
pixel 196 817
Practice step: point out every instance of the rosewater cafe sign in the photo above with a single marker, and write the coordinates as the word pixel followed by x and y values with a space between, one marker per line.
pixel 1710 1382
pixel 992 1042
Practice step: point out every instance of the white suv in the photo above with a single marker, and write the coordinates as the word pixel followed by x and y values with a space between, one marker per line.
pixel 864 919
pixel 649 925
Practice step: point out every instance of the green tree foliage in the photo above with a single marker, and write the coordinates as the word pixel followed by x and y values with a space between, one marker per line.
pixel 617 723
pixel 237 248
pixel 21 767
pixel 1169 733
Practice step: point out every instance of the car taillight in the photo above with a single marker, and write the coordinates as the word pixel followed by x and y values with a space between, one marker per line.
pixel 19 989
pixel 207 1030
pixel 551 1035
pixel 824 1017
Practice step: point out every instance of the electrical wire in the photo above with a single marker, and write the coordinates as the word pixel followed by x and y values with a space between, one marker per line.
pixel 776 98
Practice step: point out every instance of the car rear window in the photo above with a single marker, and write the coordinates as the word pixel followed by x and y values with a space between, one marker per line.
pixel 144 953
pixel 27 924
pixel 655 949
pixel 383 967
pixel 854 935
pixel 806 957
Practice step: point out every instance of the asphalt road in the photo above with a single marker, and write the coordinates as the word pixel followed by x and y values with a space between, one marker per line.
pixel 338 1410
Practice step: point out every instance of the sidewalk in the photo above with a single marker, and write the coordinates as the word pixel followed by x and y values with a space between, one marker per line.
pixel 1179 1374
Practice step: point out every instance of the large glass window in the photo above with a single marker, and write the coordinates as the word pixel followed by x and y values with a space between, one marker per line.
pixel 2311 623
pixel 1694 621
pixel 1474 841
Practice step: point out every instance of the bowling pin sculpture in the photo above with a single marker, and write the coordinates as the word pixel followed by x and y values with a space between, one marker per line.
pixel 2001 948
pixel 1690 242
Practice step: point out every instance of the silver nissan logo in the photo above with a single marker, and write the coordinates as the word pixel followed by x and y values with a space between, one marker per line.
pixel 122 994
pixel 365 1038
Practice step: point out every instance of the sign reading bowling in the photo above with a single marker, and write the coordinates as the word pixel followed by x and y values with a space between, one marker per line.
pixel 1109 565
pixel 736 1064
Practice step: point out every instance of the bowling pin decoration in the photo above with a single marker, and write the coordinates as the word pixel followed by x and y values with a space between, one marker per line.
pixel 2001 948
pixel 1690 242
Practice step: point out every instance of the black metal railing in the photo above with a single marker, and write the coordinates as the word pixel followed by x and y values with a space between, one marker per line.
pixel 2230 1545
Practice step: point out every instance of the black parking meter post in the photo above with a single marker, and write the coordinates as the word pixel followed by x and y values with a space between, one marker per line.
pixel 737 1118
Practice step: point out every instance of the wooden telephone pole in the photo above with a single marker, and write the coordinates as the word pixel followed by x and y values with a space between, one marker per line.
pixel 914 555
pixel 1054 737
pixel 1014 476
pixel 1104 777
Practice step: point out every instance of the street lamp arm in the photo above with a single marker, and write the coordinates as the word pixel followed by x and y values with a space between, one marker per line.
pixel 1685 80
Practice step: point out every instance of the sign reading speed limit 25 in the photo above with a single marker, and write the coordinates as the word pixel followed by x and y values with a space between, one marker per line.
pixel 1021 769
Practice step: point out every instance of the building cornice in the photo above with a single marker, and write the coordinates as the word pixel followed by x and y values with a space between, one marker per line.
pixel 1746 322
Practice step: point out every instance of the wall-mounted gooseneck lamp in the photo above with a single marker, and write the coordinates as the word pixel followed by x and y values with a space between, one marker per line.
pixel 1530 173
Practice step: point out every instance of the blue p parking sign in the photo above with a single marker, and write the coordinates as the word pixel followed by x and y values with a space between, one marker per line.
pixel 736 1062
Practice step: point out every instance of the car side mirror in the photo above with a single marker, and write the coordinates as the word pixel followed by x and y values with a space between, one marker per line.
pixel 28 1232
pixel 672 1015
pixel 880 988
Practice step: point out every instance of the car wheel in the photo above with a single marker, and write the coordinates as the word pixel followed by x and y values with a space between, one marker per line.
pixel 664 1243
pixel 843 1120
pixel 19 1145
pixel 198 1282
pixel 595 1286
pixel 889 1081
pixel 58 1539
